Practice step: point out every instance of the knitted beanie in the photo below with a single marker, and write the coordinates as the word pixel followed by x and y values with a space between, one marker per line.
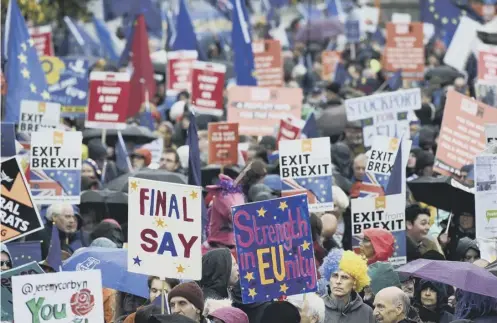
pixel 191 291
pixel 382 275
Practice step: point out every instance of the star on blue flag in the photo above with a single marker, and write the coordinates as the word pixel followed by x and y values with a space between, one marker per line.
pixel 24 74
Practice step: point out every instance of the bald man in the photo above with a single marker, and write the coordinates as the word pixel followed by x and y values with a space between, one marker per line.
pixel 391 305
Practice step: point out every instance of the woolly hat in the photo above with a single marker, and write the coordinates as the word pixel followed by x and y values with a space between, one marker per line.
pixel 143 153
pixel 90 162
pixel 382 275
pixel 230 315
pixel 191 291
pixel 280 312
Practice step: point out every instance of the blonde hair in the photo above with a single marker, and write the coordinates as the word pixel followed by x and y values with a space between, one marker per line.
pixel 357 267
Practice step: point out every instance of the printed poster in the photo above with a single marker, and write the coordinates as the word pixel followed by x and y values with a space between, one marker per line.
pixel 305 168
pixel 67 79
pixel 208 87
pixel 486 92
pixel 257 110
pixel 31 268
pixel 329 62
pixel 388 124
pixel 289 129
pixel 71 296
pixel 486 204
pixel 109 100
pixel 179 71
pixel 164 232
pixel 223 143
pixel 491 134
pixel 36 116
pixel 19 214
pixel 55 166
pixel 487 64
pixel 42 38
pixel 268 63
pixel 383 212
pixel 462 134
pixel 274 248
pixel 404 49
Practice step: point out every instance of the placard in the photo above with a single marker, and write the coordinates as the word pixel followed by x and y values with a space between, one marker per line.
pixel 42 38
pixel 19 214
pixel 268 63
pixel 329 62
pixel 179 71
pixel 274 248
pixel 491 134
pixel 257 110
pixel 31 268
pixel 289 129
pixel 384 212
pixel 462 134
pixel 208 87
pixel 404 49
pixel 109 100
pixel 37 116
pixel 70 296
pixel 164 231
pixel 305 166
pixel 55 166
pixel 372 106
pixel 67 79
pixel 487 64
pixel 223 143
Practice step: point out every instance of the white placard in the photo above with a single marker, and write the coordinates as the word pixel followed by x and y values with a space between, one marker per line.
pixel 491 134
pixel 38 116
pixel 164 231
pixel 462 43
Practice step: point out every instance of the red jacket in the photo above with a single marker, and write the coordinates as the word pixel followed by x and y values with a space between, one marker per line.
pixel 383 244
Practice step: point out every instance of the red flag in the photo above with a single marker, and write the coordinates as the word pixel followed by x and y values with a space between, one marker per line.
pixel 142 79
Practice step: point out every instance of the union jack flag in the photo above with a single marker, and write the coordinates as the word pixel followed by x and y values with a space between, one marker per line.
pixel 373 185
pixel 51 182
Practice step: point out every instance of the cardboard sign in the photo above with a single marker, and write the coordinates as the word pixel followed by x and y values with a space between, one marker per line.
pixel 179 71
pixel 289 129
pixel 37 116
pixel 67 296
pixel 268 63
pixel 486 92
pixel 385 212
pixel 257 110
pixel 164 229
pixel 223 143
pixel 31 268
pixel 67 80
pixel 404 50
pixel 55 166
pixel 487 64
pixel 207 87
pixel 19 214
pixel 353 31
pixel 329 62
pixel 305 165
pixel 462 134
pixel 491 134
pixel 373 106
pixel 281 262
pixel 42 38
pixel 109 100
pixel 388 125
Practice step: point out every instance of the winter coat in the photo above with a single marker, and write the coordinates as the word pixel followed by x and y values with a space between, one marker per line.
pixel 353 312
pixel 440 314
pixel 383 244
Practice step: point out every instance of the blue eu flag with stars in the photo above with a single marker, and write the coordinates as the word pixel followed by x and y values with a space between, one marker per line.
pixel 24 75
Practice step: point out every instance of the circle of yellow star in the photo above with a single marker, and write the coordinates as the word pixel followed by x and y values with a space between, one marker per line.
pixel 33 87
pixel 160 223
pixel 252 292
pixel 22 58
pixel 261 212
pixel 134 185
pixel 283 206
pixel 25 73
pixel 283 288
pixel 180 269
pixel 194 195
pixel 249 276
pixel 305 245
pixel 45 95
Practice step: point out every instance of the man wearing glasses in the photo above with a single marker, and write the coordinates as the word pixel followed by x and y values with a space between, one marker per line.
pixel 170 161
pixel 6 260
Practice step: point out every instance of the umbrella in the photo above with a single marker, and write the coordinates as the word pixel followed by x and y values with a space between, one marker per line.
pixel 103 197
pixel 136 134
pixel 444 193
pixel 113 263
pixel 121 183
pixel 319 30
pixel 210 174
pixel 332 121
pixel 443 75
pixel 492 268
pixel 462 275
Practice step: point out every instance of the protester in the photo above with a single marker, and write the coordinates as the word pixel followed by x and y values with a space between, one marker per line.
pixel 228 315
pixel 280 312
pixel 219 273
pixel 391 305
pixel 170 161
pixel 467 250
pixel 431 302
pixel 6 258
pixel 417 227
pixel 311 308
pixel 187 299
pixel 141 158
pixel 377 245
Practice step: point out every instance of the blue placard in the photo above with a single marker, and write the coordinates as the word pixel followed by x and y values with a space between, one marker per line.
pixel 352 31
pixel 274 248
pixel 67 79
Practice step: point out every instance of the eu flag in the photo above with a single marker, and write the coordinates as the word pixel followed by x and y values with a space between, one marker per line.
pixel 186 38
pixel 106 41
pixel 242 45
pixel 310 129
pixel 54 257
pixel 122 158
pixel 25 252
pixel 24 75
pixel 395 81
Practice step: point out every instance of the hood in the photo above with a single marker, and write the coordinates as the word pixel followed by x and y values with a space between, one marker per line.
pixel 464 245
pixel 216 272
pixel 230 315
pixel 108 230
pixel 382 275
pixel 341 157
pixel 6 250
pixel 383 244
pixel 438 287
pixel 337 305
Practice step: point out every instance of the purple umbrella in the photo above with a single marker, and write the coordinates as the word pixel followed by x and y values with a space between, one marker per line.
pixel 319 30
pixel 462 275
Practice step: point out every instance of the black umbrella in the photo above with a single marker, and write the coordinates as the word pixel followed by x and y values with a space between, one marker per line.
pixel 443 193
pixel 121 183
pixel 210 174
pixel 442 75
pixel 103 197
pixel 136 134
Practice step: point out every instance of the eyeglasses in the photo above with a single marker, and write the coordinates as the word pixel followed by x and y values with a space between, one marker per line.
pixel 6 263
pixel 167 160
